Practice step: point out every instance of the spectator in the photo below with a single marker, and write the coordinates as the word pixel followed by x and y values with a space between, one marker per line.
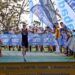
pixel 11 31
pixel 63 27
pixel 57 35
pixel 30 30
pixel 17 32
pixel 40 31
pixel 71 44
pixel 64 39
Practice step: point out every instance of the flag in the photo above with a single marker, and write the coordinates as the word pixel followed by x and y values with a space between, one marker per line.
pixel 49 10
pixel 67 11
pixel 71 3
pixel 39 12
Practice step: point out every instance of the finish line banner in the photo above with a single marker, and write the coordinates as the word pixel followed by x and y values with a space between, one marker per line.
pixel 67 11
pixel 33 39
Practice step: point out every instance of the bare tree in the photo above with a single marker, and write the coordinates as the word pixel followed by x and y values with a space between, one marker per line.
pixel 10 12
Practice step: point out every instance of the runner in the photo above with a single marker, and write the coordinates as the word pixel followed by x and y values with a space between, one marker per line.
pixel 0 47
pixel 24 40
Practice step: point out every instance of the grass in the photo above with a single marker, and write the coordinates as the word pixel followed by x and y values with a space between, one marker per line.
pixel 15 49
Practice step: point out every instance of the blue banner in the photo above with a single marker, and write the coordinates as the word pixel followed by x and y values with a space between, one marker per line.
pixel 5 38
pixel 16 40
pixel 71 3
pixel 33 39
pixel 42 39
pixel 67 11
pixel 39 12
pixel 49 10
pixel 49 39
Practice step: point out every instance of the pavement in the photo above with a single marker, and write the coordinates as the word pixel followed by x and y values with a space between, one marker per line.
pixel 16 56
